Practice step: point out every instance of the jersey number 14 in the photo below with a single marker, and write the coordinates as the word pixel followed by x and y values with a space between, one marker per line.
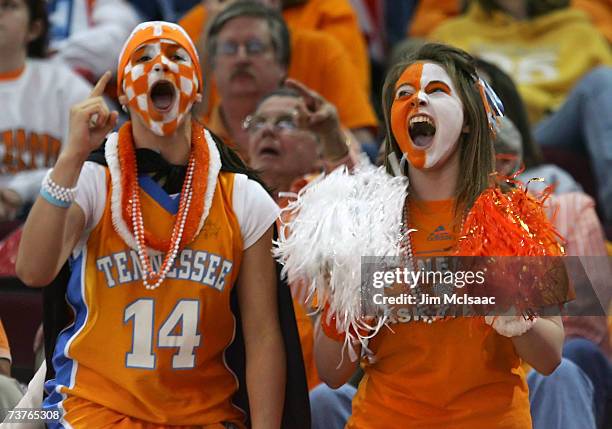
pixel 184 316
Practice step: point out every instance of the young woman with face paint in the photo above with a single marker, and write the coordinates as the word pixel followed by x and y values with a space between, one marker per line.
pixel 158 234
pixel 462 372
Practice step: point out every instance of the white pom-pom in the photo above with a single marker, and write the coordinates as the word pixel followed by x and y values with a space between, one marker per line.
pixel 333 222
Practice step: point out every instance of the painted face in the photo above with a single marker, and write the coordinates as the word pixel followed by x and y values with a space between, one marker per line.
pixel 161 84
pixel 426 115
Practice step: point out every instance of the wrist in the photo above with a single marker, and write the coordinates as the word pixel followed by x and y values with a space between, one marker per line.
pixel 67 169
pixel 336 145
pixel 328 326
pixel 71 160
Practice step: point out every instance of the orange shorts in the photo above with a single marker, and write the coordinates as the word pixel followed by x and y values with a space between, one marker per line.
pixel 81 413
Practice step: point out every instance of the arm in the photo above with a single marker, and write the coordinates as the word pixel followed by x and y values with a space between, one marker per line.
pixel 265 363
pixel 328 354
pixel 50 232
pixel 5 367
pixel 541 346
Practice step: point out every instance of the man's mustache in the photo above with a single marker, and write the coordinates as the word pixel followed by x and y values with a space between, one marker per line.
pixel 242 71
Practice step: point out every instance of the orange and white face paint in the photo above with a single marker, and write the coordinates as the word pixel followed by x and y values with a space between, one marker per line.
pixel 426 115
pixel 160 75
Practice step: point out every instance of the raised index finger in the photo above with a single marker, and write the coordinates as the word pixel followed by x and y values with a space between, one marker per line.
pixel 101 85
pixel 311 98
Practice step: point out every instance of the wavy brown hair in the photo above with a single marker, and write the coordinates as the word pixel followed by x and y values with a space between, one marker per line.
pixel 476 153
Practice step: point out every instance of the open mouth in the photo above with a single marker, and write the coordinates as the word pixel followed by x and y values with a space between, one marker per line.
pixel 422 131
pixel 162 95
pixel 268 151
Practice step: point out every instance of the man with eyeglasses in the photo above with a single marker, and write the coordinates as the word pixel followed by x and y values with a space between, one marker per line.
pixel 249 47
pixel 293 135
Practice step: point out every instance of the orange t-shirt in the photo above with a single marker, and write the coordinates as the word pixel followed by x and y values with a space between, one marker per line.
pixel 338 19
pixel 5 351
pixel 456 373
pixel 600 12
pixel 321 63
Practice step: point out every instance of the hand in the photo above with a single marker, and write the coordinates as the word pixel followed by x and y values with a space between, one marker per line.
pixel 510 324
pixel 10 203
pixel 90 122
pixel 321 116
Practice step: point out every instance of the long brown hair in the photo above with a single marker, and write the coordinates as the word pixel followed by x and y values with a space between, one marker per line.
pixel 476 156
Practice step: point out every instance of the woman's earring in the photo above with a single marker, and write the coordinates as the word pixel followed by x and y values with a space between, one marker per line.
pixel 124 108
pixel 402 163
pixel 398 168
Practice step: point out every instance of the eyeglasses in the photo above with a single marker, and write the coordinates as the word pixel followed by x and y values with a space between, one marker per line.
pixel 253 48
pixel 9 5
pixel 285 123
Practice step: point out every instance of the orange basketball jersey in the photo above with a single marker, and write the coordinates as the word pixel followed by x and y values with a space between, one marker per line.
pixel 151 355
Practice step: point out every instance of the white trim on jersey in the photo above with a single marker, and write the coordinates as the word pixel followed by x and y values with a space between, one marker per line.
pixel 253 207
pixel 112 159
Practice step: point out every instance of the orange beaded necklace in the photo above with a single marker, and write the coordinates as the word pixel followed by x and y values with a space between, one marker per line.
pixel 191 213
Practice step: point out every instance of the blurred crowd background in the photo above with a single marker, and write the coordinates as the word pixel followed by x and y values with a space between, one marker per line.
pixel 548 60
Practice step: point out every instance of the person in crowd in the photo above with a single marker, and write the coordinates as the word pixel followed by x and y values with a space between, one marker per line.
pixel 561 64
pixel 430 14
pixel 294 135
pixel 530 155
pixel 333 17
pixel 430 370
pixel 156 257
pixel 242 77
pixel 87 35
pixel 556 401
pixel 36 95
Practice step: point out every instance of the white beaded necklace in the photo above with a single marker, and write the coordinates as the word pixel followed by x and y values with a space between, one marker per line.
pixel 408 260
pixel 177 233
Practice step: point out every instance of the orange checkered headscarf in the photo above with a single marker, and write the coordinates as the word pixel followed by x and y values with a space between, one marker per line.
pixel 159 73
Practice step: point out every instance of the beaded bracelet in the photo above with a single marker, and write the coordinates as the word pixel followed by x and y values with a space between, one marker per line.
pixel 57 192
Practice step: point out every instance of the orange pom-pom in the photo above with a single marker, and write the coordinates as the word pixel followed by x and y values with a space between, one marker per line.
pixel 514 224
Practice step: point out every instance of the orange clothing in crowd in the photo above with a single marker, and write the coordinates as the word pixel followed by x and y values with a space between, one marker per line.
pixel 600 12
pixel 456 373
pixel 338 19
pixel 5 351
pixel 305 328
pixel 431 13
pixel 322 64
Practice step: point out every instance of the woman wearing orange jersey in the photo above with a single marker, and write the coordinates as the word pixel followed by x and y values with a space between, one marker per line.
pixel 156 256
pixel 455 372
